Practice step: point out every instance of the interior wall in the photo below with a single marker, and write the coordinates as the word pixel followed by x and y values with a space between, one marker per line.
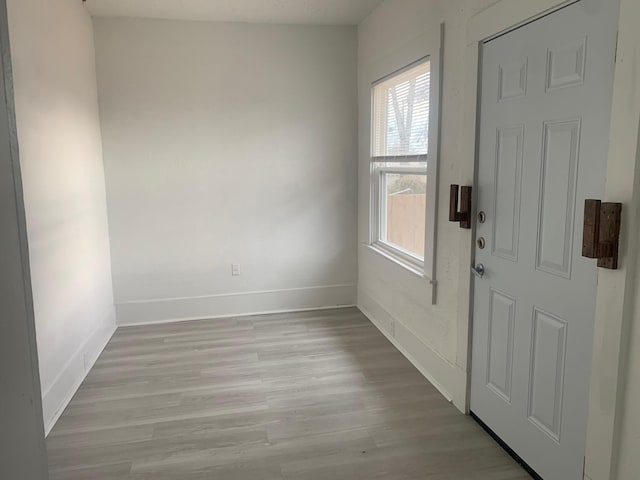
pixel 398 301
pixel 65 201
pixel 228 144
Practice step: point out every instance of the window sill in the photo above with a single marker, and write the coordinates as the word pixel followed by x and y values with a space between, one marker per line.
pixel 410 267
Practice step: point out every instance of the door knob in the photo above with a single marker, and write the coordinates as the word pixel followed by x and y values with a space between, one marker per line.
pixel 478 270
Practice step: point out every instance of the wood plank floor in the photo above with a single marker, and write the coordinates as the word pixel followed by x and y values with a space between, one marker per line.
pixel 305 396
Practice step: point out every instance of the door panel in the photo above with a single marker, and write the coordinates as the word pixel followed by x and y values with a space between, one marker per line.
pixel 544 123
pixel 558 196
pixel 500 349
pixel 549 348
pixel 513 80
pixel 508 175
pixel 566 65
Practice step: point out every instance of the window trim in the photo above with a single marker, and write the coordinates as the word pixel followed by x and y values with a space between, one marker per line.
pixel 426 268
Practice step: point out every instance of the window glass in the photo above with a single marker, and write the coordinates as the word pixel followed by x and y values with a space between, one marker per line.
pixel 405 199
pixel 401 112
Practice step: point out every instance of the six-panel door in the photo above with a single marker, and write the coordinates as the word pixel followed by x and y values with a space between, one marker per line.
pixel 544 130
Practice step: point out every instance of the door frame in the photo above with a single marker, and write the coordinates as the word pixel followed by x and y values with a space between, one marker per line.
pixel 22 418
pixel 614 309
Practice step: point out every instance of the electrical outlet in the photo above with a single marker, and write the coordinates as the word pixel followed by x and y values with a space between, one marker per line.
pixel 235 269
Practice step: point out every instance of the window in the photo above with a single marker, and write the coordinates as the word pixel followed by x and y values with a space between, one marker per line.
pixel 401 197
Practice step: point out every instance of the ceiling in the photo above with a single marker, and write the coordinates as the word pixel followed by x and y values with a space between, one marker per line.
pixel 308 12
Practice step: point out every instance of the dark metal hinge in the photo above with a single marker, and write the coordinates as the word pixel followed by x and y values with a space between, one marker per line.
pixel 601 232
pixel 462 215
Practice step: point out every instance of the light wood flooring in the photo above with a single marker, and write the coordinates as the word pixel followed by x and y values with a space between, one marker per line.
pixel 304 396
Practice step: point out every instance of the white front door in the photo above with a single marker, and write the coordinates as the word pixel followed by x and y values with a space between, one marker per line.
pixel 544 135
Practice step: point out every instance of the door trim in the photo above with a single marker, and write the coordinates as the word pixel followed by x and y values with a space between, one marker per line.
pixel 24 401
pixel 614 310
pixel 504 17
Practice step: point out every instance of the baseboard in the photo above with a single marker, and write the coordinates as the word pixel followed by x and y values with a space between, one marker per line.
pixel 446 377
pixel 146 312
pixel 57 397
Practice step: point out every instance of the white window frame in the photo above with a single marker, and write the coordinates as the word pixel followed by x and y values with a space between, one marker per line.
pixel 380 166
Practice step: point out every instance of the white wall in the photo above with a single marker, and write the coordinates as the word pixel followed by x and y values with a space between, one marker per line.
pixel 61 158
pixel 228 143
pixel 398 301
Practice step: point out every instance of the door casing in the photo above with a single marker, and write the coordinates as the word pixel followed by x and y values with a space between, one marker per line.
pixel 23 452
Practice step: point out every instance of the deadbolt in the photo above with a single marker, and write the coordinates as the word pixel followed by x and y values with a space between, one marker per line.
pixel 482 217
pixel 478 270
pixel 481 243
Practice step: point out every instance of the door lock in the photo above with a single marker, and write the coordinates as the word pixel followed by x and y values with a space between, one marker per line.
pixel 478 270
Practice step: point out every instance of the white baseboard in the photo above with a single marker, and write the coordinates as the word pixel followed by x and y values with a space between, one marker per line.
pixel 57 396
pixel 448 378
pixel 146 312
